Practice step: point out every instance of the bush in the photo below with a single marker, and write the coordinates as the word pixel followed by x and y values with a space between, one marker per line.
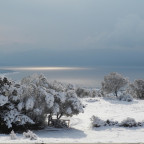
pixel 13 135
pixel 30 135
pixel 97 122
pixel 111 123
pixel 130 122
pixel 125 97
pixel 85 92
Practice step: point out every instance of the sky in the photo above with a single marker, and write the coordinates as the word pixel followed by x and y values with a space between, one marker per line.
pixel 71 33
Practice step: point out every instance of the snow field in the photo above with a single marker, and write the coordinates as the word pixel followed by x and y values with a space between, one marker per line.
pixel 80 130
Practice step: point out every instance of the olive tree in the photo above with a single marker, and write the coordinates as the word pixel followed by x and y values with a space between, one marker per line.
pixel 113 82
pixel 41 98
pixel 28 103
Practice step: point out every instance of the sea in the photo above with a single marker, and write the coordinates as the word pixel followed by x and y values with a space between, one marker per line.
pixel 90 77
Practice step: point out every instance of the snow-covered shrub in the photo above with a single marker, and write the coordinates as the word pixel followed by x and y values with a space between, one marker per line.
pixel 136 89
pixel 85 92
pixel 111 123
pixel 13 135
pixel 97 122
pixel 113 83
pixel 82 92
pixel 100 93
pixel 125 97
pixel 130 122
pixel 30 135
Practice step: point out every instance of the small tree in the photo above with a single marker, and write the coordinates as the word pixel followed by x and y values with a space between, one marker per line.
pixel 113 83
pixel 136 89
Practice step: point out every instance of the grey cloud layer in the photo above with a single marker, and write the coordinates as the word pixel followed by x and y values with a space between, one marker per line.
pixel 83 29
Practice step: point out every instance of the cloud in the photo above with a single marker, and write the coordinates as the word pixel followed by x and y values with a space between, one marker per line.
pixel 71 32
pixel 126 33
pixel 10 35
pixel 12 40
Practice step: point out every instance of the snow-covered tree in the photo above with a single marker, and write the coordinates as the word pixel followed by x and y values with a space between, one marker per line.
pixel 41 98
pixel 10 116
pixel 113 82
pixel 31 101
pixel 136 89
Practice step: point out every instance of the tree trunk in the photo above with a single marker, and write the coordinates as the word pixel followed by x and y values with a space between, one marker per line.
pixel 49 119
pixel 116 93
pixel 59 116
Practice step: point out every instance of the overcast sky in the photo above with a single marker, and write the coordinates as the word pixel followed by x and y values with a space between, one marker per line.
pixel 71 32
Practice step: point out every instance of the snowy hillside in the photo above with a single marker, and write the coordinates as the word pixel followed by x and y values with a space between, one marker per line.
pixel 80 126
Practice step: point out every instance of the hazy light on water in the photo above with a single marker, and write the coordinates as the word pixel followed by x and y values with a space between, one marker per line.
pixel 44 68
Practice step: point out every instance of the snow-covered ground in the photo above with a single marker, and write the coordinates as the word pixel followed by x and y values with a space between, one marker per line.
pixel 80 130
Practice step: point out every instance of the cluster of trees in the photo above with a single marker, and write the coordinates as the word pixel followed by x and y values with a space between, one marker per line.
pixel 117 85
pixel 30 102
pixel 115 82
